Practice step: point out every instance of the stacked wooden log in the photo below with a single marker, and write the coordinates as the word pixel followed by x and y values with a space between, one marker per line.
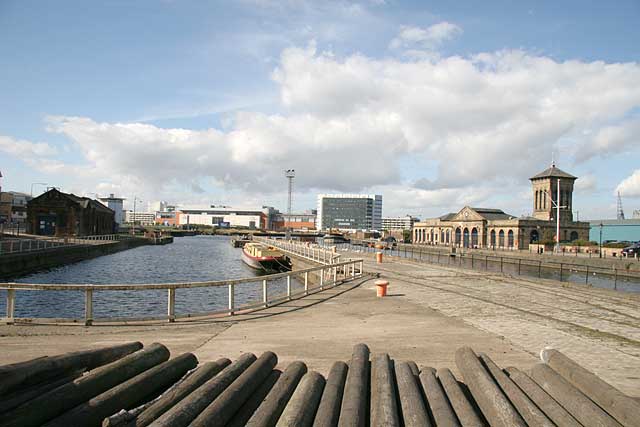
pixel 131 386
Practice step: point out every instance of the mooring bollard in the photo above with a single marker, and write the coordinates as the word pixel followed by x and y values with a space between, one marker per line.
pixel 381 288
pixel 379 257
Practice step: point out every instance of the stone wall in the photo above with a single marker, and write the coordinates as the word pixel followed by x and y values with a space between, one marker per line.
pixel 23 263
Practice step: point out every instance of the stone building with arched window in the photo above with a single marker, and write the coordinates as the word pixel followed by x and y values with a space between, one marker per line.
pixel 495 229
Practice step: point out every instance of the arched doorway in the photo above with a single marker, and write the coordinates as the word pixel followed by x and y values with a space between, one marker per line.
pixel 501 239
pixel 573 236
pixel 465 238
pixel 474 237
pixel 510 238
pixel 534 236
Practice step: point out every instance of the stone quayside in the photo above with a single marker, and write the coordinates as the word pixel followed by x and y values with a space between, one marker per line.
pixel 126 385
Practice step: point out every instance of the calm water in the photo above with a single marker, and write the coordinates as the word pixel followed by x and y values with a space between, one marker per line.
pixel 188 259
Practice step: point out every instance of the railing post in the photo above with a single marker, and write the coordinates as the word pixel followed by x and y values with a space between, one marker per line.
pixel 561 272
pixel 586 276
pixel 289 287
pixel 11 305
pixel 306 283
pixel 265 295
pixel 88 307
pixel 321 278
pixel 335 275
pixel 231 299
pixel 353 269
pixel 171 305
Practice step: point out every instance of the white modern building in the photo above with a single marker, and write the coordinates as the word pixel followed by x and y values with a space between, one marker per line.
pixel 116 205
pixel 349 212
pixel 227 217
pixel 399 223
pixel 140 218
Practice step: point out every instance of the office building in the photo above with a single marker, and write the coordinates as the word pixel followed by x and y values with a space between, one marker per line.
pixel 399 223
pixel 349 212
pixel 116 205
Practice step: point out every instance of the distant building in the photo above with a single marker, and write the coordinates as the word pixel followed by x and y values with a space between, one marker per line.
pixel 254 218
pixel 13 207
pixel 399 223
pixel 350 212
pixel 636 214
pixel 140 218
pixel 116 205
pixel 620 230
pixel 55 213
pixel 295 221
pixel 492 228
pixel 159 206
pixel 167 218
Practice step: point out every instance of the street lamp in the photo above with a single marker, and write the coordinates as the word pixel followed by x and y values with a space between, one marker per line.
pixel 600 251
pixel 36 183
pixel 135 199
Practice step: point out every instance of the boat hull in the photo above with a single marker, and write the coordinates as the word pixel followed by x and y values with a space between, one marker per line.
pixel 266 263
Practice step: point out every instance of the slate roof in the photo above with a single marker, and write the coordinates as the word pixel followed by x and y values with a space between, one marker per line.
pixel 492 214
pixel 553 172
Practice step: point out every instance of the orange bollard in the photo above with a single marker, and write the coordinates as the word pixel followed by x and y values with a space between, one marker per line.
pixel 379 257
pixel 381 287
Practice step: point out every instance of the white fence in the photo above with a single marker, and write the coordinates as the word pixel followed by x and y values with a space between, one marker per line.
pixel 312 279
pixel 26 244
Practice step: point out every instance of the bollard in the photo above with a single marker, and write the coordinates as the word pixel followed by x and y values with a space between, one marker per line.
pixel 379 257
pixel 381 288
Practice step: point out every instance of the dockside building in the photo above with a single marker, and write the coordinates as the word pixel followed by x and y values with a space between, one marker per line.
pixel 495 229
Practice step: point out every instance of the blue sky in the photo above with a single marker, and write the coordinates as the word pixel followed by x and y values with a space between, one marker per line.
pixel 207 102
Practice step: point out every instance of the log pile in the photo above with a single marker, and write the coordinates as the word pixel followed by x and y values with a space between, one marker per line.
pixel 131 386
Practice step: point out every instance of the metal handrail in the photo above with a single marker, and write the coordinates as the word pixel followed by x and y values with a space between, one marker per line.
pixel 32 244
pixel 349 270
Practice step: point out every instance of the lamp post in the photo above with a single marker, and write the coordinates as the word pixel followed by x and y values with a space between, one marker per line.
pixel 36 183
pixel 600 251
pixel 135 199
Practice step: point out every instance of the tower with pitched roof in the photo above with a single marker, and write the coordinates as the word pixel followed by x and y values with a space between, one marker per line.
pixel 545 194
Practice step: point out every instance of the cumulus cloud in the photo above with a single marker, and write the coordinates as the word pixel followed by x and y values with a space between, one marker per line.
pixel 611 140
pixel 351 123
pixel 630 186
pixel 25 149
pixel 414 38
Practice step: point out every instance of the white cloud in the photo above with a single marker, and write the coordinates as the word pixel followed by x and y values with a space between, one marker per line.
pixel 25 149
pixel 586 183
pixel 630 186
pixel 612 140
pixel 426 38
pixel 352 123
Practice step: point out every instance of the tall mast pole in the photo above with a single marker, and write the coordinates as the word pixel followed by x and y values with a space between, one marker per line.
pixel 289 174
pixel 558 218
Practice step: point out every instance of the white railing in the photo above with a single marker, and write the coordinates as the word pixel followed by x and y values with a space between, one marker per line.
pixel 312 279
pixel 26 244
pixel 311 252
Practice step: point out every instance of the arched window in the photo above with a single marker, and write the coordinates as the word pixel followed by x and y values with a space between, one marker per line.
pixel 573 236
pixel 501 239
pixel 534 237
pixel 465 238
pixel 474 237
pixel 448 237
pixel 493 238
pixel 458 236
pixel 510 238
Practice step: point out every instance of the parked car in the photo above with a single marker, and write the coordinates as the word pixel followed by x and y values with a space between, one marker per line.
pixel 631 251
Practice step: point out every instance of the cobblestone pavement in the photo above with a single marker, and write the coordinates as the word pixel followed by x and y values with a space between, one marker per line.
pixel 598 328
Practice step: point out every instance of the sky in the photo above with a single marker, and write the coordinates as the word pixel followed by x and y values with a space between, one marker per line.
pixel 433 104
